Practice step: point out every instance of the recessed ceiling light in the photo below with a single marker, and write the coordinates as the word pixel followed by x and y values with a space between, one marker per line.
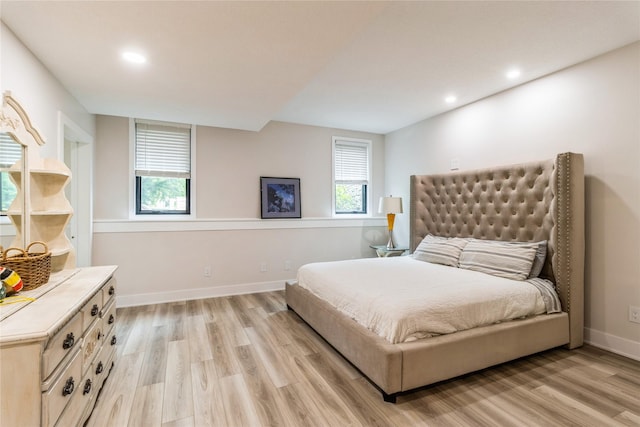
pixel 133 57
pixel 450 99
pixel 513 74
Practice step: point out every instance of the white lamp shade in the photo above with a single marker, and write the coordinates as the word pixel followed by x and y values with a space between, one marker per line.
pixel 390 205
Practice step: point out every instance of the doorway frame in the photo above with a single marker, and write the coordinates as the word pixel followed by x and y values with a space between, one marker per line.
pixel 80 143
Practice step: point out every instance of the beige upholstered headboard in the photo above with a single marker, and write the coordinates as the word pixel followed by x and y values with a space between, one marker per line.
pixel 525 202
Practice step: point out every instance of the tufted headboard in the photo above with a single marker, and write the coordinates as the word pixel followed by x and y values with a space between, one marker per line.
pixel 527 202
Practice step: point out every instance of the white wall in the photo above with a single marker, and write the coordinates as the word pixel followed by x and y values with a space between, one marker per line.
pixel 592 108
pixel 42 96
pixel 163 261
pixel 39 92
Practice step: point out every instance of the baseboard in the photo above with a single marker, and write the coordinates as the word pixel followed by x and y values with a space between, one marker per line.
pixel 622 346
pixel 191 294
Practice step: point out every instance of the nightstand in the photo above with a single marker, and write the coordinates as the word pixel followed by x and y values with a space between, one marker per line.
pixel 382 251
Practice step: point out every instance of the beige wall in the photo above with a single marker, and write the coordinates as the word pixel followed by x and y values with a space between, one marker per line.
pixel 168 265
pixel 230 163
pixel 229 166
pixel 592 108
pixel 165 261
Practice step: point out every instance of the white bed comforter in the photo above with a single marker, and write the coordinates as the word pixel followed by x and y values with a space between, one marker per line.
pixel 402 299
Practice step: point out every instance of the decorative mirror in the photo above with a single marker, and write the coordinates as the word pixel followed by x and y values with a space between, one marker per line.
pixel 10 159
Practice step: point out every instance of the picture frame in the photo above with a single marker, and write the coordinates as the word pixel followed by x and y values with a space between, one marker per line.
pixel 280 197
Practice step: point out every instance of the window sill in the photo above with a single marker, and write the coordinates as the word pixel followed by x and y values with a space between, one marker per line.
pixel 162 217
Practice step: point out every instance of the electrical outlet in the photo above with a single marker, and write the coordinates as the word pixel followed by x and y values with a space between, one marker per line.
pixel 263 267
pixel 634 314
pixel 287 265
pixel 207 271
pixel 455 164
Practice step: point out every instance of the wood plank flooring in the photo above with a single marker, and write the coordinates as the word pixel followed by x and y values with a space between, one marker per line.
pixel 248 361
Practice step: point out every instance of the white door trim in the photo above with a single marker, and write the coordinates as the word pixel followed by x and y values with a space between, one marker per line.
pixel 82 177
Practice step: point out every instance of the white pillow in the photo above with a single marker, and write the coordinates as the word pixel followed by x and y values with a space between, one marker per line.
pixel 538 261
pixel 502 259
pixel 440 250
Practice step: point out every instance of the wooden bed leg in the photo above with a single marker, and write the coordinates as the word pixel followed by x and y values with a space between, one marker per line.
pixel 391 398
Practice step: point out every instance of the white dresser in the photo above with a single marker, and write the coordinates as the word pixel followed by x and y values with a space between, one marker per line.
pixel 57 350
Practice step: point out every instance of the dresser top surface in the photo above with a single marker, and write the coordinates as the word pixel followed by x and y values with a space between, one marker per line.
pixel 53 305
pixel 16 302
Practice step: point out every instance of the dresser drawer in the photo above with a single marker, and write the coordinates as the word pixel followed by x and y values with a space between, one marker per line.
pixel 79 403
pixel 109 291
pixel 91 310
pixel 110 339
pixel 109 317
pixel 67 385
pixel 63 342
pixel 102 364
pixel 92 343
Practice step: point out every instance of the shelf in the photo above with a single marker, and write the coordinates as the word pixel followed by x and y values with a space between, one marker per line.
pixel 51 172
pixel 50 229
pixel 49 213
pixel 60 261
pixel 60 252
pixel 41 210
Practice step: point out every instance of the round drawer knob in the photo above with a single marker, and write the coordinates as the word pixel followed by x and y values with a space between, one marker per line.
pixel 68 387
pixel 111 319
pixel 94 310
pixel 99 368
pixel 112 290
pixel 113 340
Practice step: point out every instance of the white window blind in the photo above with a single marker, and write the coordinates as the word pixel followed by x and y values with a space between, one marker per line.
pixel 163 150
pixel 10 151
pixel 351 162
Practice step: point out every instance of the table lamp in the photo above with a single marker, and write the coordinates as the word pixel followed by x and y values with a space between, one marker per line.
pixel 390 206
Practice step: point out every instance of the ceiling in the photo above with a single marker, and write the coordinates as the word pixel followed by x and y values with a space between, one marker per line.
pixel 363 65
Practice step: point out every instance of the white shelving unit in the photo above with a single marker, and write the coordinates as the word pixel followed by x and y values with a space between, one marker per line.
pixel 41 210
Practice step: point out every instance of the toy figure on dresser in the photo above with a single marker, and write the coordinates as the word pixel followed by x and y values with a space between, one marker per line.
pixel 10 282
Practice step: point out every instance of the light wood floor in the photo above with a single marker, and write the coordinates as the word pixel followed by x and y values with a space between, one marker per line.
pixel 247 361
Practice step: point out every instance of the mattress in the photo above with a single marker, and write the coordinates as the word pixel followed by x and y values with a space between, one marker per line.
pixel 402 299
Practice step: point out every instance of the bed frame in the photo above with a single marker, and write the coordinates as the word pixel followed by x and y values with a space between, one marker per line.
pixel 525 202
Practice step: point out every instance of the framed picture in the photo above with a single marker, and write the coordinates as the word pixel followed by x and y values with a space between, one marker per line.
pixel 280 197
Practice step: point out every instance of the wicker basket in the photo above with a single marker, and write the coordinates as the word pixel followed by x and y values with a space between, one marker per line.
pixel 33 267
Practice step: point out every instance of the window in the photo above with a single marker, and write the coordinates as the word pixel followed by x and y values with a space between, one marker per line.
pixel 351 158
pixel 10 153
pixel 162 168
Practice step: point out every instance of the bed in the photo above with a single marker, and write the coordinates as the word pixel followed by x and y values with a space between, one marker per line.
pixel 530 202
